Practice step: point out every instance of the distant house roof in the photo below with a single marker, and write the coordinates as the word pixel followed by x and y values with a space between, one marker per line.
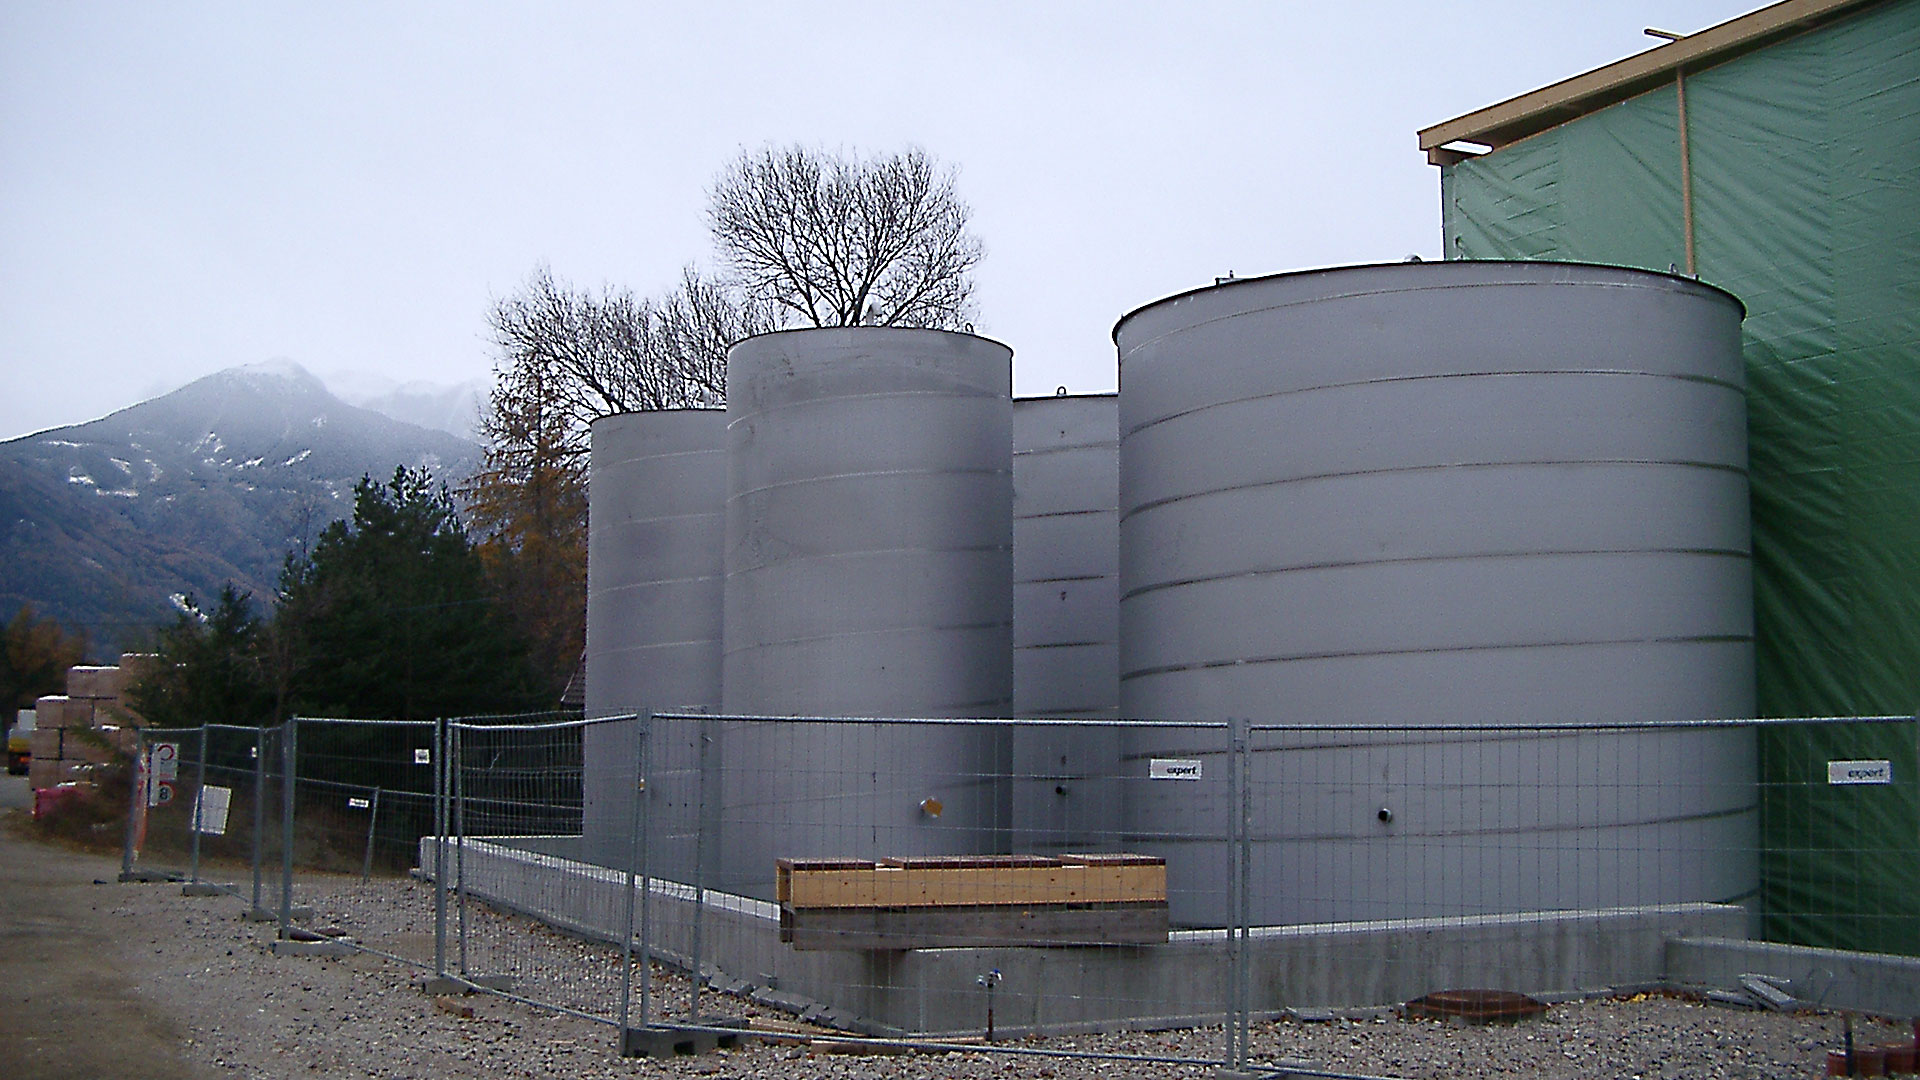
pixel 1531 113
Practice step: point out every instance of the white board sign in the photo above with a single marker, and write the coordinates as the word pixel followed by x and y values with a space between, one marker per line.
pixel 166 760
pixel 1162 768
pixel 1859 772
pixel 212 811
pixel 423 756
pixel 354 802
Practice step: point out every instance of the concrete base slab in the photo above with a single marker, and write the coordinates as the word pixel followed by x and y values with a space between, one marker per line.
pixel 665 1040
pixel 1875 983
pixel 204 888
pixel 148 876
pixel 333 949
pixel 937 992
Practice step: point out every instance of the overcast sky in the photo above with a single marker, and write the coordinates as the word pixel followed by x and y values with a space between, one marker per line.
pixel 186 187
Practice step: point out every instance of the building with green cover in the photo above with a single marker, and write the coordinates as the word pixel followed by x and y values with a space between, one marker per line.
pixel 1777 156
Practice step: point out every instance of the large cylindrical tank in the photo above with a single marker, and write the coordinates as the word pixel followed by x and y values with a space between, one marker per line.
pixel 869 574
pixel 1426 494
pixel 655 574
pixel 1066 619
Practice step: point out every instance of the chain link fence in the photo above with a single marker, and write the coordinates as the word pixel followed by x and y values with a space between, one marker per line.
pixel 682 877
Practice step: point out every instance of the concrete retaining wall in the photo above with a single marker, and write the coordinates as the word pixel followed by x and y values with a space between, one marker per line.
pixel 1058 990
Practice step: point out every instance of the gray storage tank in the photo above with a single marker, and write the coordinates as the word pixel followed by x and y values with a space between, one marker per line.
pixel 655 575
pixel 1066 616
pixel 1443 493
pixel 869 574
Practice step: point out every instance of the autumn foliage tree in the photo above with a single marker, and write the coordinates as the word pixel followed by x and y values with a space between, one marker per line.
pixel 35 654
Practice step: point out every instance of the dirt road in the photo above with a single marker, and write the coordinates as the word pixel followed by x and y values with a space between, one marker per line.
pixel 68 1003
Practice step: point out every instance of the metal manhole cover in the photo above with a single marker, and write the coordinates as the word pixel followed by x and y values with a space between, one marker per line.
pixel 1475 1006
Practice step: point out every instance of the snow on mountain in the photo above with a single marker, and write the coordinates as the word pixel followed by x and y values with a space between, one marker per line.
pixel 450 407
pixel 215 481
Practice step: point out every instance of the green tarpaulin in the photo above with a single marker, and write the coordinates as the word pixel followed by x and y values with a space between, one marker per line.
pixel 1805 162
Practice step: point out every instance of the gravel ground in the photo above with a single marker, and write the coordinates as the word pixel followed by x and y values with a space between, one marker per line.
pixel 241 1011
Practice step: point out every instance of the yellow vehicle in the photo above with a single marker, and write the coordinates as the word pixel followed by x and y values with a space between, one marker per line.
pixel 20 742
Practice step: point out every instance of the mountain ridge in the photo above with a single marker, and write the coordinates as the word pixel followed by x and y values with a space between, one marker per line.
pixel 105 525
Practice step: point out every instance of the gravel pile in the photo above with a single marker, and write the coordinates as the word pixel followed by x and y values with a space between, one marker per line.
pixel 252 1014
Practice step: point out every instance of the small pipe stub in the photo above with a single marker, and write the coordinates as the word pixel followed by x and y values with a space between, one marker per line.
pixel 1385 815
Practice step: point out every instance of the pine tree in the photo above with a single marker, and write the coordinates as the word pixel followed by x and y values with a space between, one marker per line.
pixel 391 614
pixel 528 503
pixel 214 669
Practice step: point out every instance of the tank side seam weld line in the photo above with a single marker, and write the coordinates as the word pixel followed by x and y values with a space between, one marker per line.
pixel 960 391
pixel 629 522
pixel 803 481
pixel 1388 380
pixel 851 635
pixel 1273 571
pixel 606 590
pixel 1358 294
pixel 1019 517
pixel 1714 639
pixel 1064 448
pixel 1722 814
pixel 1128 512
pixel 758 568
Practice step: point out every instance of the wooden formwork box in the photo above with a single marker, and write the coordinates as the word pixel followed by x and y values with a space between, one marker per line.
pixel 96 682
pixel 962 901
pixel 52 772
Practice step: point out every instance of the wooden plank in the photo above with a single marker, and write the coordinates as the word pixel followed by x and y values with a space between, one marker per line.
pixel 822 929
pixel 948 882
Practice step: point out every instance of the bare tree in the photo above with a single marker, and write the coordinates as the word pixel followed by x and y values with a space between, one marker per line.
pixel 836 240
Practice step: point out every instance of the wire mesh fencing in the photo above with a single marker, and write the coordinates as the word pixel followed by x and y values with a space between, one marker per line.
pixel 195 805
pixel 532 915
pixel 933 880
pixel 362 794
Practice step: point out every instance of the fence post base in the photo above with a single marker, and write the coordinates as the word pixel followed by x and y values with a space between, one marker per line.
pixel 668 1040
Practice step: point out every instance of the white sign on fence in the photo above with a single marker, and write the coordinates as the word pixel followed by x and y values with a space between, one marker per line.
pixel 166 760
pixel 1163 768
pixel 212 811
pixel 354 802
pixel 1859 772
pixel 422 756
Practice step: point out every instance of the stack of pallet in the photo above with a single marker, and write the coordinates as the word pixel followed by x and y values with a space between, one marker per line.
pixel 78 733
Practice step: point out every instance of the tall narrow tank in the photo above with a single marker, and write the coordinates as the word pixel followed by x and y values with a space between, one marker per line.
pixel 655 574
pixel 1066 618
pixel 1066 556
pixel 869 574
pixel 1443 493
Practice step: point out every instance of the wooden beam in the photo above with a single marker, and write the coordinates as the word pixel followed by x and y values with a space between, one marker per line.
pixel 1516 118
pixel 820 929
pixel 952 881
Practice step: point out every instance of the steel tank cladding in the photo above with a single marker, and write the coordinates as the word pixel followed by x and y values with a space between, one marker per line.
pixel 1421 495
pixel 869 570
